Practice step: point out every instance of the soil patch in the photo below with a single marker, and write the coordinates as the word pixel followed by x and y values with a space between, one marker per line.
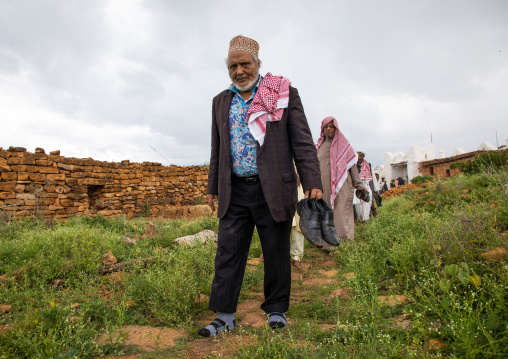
pixel 392 300
pixel 296 276
pixel 313 282
pixel 329 273
pixel 329 264
pixel 255 320
pixel 253 262
pixel 400 322
pixel 145 338
pixel 225 345
pixel 348 275
pixel 326 327
pixel 342 293
pixel 249 305
pixel 117 277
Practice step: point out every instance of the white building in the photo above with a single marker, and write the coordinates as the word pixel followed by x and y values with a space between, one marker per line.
pixel 401 165
pixel 458 151
pixel 486 146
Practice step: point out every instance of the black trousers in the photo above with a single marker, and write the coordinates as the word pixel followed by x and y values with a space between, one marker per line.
pixel 248 209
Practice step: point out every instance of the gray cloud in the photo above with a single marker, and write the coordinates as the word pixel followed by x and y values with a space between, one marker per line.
pixel 109 79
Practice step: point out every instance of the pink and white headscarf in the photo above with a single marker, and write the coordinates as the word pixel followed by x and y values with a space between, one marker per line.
pixel 271 98
pixel 342 157
pixel 365 173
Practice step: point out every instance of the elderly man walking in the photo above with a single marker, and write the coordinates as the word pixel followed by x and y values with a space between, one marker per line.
pixel 340 180
pixel 258 129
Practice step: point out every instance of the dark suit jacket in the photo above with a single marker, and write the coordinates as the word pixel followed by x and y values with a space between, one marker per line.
pixel 286 140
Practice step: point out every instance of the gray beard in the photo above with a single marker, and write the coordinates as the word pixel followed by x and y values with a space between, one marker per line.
pixel 249 86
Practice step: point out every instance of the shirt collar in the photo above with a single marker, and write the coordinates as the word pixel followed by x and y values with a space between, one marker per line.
pixel 235 90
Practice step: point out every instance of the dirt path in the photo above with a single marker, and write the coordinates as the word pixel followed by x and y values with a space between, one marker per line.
pixel 319 269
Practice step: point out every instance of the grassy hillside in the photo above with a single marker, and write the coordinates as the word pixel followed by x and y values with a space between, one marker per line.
pixel 430 245
pixel 415 282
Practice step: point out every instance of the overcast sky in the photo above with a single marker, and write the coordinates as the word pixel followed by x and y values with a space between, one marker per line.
pixel 125 79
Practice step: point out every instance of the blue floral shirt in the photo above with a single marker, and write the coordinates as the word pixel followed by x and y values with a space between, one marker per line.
pixel 243 145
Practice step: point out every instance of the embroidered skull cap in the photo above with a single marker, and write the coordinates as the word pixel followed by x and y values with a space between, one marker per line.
pixel 242 43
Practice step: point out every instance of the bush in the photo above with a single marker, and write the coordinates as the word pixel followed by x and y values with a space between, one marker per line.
pixel 418 180
pixel 484 162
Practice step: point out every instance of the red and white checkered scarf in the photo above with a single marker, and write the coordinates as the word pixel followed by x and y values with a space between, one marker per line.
pixel 365 173
pixel 271 98
pixel 342 157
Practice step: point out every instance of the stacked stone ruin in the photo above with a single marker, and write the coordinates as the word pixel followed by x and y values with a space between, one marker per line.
pixel 57 186
pixel 441 168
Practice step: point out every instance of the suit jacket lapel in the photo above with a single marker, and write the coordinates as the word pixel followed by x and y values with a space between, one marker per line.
pixel 225 130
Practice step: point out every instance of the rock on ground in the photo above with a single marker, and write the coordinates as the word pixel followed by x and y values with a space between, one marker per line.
pixel 201 237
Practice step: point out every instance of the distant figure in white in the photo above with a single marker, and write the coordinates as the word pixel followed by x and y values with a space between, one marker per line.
pixel 366 172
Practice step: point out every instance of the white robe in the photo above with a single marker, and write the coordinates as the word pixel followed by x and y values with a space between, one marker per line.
pixel 362 208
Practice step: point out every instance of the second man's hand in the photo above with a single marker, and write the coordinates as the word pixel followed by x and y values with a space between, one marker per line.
pixel 211 201
pixel 314 194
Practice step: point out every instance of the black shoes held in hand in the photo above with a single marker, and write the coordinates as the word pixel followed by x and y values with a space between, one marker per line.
pixel 310 221
pixel 327 226
pixel 363 195
pixel 316 222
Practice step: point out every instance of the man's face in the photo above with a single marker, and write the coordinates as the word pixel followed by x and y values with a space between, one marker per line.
pixel 243 70
pixel 361 156
pixel 329 130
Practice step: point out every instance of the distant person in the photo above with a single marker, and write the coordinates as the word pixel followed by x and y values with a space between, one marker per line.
pixel 366 172
pixel 377 196
pixel 400 181
pixel 393 183
pixel 259 134
pixel 379 182
pixel 382 185
pixel 338 176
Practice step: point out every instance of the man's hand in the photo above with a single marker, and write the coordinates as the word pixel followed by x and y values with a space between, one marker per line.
pixel 314 193
pixel 211 198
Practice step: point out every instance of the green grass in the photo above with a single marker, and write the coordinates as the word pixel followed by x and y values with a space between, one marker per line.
pixel 415 238
pixel 35 256
pixel 425 244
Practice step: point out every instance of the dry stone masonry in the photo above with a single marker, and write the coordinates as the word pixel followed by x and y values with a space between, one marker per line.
pixel 440 168
pixel 56 186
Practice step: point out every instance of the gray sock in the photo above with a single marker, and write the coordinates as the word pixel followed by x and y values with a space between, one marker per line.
pixel 223 322
pixel 277 320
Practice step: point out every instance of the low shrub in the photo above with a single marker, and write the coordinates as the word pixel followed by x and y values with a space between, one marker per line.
pixel 484 162
pixel 418 180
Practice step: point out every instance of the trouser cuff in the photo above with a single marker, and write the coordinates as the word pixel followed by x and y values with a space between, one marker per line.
pixel 276 307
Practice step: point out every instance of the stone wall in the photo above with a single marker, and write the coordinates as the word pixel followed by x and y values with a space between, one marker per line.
pixel 440 168
pixel 56 186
